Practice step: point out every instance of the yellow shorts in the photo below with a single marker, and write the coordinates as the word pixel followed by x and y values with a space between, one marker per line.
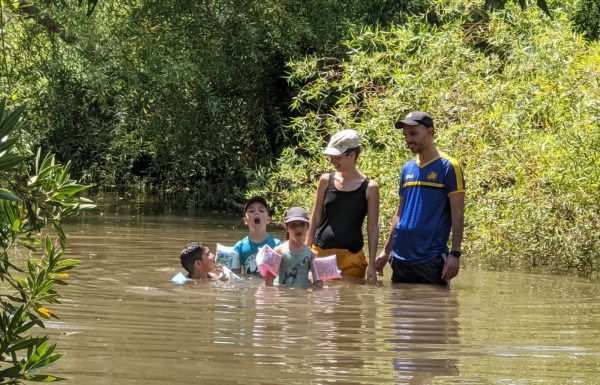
pixel 351 264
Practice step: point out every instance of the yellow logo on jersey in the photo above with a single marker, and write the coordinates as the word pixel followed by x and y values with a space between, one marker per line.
pixel 410 176
pixel 432 176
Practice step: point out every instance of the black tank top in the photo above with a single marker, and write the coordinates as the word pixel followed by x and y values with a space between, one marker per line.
pixel 343 216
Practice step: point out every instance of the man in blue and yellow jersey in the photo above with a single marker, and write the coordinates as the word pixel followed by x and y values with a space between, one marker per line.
pixel 432 205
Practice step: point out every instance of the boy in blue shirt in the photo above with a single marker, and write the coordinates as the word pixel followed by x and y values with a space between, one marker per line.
pixel 256 217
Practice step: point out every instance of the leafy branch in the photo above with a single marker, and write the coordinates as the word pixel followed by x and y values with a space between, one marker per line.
pixel 28 204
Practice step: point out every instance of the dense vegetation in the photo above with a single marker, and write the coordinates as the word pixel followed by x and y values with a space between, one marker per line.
pixel 34 196
pixel 516 100
pixel 173 95
pixel 219 99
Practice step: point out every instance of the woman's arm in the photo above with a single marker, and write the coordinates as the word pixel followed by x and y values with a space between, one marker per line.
pixel 372 228
pixel 317 211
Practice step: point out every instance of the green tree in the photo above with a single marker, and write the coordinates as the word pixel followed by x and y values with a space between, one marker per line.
pixel 514 98
pixel 587 19
pixel 29 204
pixel 176 95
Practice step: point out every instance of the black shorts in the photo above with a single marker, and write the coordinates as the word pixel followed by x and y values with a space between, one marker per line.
pixel 429 271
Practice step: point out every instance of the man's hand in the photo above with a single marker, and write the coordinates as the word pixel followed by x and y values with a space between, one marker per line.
pixel 381 261
pixel 451 267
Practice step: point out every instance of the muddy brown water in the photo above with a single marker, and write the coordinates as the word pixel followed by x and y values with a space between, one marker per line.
pixel 123 322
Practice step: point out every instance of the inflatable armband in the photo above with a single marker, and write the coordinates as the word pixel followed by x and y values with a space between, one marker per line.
pixel 179 278
pixel 327 268
pixel 230 273
pixel 226 255
pixel 268 261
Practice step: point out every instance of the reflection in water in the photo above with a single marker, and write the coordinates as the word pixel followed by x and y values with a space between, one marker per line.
pixel 425 320
pixel 339 315
pixel 123 322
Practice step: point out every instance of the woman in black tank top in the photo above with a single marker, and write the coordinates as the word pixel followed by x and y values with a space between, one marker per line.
pixel 344 198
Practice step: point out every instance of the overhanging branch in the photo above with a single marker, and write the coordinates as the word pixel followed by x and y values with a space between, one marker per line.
pixel 51 25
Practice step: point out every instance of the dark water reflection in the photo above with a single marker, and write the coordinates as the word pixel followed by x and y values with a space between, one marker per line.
pixel 123 322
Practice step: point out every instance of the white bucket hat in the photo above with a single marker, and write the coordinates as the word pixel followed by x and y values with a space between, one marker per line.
pixel 341 142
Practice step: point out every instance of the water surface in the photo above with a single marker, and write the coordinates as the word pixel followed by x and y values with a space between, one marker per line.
pixel 123 322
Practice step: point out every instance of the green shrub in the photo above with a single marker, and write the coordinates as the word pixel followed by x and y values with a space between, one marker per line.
pixel 30 202
pixel 515 100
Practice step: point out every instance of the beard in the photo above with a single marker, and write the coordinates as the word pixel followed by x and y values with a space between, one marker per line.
pixel 415 148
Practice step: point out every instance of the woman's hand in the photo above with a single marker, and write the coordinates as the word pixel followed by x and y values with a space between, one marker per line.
pixel 372 274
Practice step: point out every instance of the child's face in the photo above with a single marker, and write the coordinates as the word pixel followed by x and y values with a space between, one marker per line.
pixel 257 216
pixel 208 260
pixel 296 230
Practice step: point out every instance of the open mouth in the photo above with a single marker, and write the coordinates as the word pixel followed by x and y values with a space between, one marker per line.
pixel 256 221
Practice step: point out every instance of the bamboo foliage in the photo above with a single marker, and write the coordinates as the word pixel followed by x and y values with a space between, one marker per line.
pixel 514 98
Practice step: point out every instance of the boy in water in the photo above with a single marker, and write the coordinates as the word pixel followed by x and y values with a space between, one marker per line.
pixel 199 262
pixel 256 217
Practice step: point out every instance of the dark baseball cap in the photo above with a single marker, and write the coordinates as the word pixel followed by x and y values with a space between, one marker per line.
pixel 296 214
pixel 415 118
pixel 258 199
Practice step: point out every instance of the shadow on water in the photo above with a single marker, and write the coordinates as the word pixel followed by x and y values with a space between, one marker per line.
pixel 123 322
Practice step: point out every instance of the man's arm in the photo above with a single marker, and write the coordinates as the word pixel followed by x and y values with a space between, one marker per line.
pixel 384 256
pixel 457 210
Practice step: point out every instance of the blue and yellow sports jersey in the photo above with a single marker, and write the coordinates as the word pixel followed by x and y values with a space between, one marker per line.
pixel 423 229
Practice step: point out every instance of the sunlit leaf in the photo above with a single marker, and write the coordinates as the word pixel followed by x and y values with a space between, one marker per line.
pixel 45 312
pixel 42 378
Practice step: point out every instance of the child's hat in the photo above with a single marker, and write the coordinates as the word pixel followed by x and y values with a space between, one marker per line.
pixel 341 142
pixel 296 214
pixel 255 199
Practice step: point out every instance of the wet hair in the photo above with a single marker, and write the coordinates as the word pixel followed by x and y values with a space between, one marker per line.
pixel 192 252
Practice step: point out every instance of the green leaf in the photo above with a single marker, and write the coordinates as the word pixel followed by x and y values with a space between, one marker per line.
pixel 26 327
pixel 12 213
pixel 16 299
pixel 11 121
pixel 9 161
pixel 68 262
pixel 7 144
pixel 11 372
pixel 42 378
pixel 2 105
pixel 71 190
pixel 544 6
pixel 17 318
pixel 23 344
pixel 7 195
